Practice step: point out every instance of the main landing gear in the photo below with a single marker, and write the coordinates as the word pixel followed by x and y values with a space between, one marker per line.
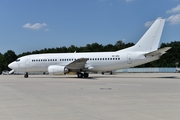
pixel 81 75
pixel 26 75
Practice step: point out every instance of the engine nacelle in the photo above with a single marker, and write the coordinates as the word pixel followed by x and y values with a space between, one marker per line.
pixel 57 70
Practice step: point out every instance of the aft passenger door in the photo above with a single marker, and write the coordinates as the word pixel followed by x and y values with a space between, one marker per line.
pixel 129 58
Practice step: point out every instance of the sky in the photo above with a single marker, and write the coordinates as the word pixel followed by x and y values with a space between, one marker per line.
pixel 28 25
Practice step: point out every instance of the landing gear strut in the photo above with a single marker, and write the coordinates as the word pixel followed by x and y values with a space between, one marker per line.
pixel 26 75
pixel 81 75
pixel 111 73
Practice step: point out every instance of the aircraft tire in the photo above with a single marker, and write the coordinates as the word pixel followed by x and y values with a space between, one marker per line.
pixel 79 75
pixel 86 75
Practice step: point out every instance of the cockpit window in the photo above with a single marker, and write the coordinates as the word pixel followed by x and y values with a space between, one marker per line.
pixel 17 60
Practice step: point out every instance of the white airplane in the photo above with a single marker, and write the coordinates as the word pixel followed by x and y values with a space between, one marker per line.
pixel 144 51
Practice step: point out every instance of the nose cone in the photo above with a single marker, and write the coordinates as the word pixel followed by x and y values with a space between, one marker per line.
pixel 13 65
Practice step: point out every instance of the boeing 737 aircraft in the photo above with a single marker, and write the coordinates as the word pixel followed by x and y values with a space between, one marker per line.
pixel 144 51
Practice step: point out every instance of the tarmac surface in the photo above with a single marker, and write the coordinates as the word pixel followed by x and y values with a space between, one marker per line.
pixel 125 96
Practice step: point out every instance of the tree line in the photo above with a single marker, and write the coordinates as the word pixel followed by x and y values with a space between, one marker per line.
pixel 167 60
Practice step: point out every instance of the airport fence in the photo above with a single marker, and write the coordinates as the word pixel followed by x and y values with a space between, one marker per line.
pixel 147 70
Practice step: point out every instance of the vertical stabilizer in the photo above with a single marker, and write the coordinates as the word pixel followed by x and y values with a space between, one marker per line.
pixel 150 40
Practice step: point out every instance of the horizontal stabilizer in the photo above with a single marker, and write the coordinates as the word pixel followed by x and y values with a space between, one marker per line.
pixel 158 52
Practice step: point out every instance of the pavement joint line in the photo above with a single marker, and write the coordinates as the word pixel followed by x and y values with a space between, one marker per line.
pixel 125 84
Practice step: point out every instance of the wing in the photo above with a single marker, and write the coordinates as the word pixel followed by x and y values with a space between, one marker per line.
pixel 77 64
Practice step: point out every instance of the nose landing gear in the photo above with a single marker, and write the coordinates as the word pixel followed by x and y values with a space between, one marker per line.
pixel 26 75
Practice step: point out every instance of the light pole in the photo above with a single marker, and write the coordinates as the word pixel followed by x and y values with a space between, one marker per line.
pixel 177 69
pixel 177 63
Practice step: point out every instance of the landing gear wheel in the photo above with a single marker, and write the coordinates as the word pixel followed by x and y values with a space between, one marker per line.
pixel 111 73
pixel 86 75
pixel 26 75
pixel 79 75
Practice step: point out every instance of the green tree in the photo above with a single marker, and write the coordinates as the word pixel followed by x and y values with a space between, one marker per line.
pixel 119 45
pixel 9 57
pixel 72 48
pixel 94 47
pixel 109 47
pixel 1 63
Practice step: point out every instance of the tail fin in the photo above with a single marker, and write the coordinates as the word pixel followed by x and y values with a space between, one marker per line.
pixel 150 40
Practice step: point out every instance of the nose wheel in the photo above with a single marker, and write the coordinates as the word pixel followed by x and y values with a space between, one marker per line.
pixel 26 75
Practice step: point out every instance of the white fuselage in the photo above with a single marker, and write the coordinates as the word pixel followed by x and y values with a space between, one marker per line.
pixel 98 61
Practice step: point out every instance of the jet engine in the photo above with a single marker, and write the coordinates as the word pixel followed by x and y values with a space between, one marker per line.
pixel 57 70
